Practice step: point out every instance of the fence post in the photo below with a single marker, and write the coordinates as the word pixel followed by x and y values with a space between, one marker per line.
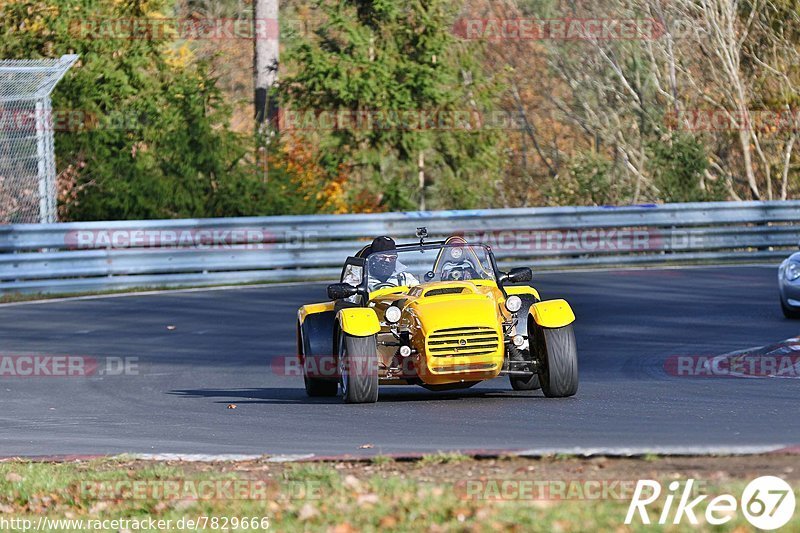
pixel 28 191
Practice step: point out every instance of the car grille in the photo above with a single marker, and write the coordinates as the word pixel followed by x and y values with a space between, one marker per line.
pixel 459 342
pixel 443 291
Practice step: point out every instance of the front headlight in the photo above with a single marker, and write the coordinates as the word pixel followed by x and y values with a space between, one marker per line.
pixel 513 303
pixel 792 271
pixel 393 314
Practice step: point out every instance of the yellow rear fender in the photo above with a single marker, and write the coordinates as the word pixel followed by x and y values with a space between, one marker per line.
pixel 313 309
pixel 552 314
pixel 359 321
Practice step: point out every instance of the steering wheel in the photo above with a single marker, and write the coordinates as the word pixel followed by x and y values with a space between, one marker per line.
pixel 383 286
pixel 460 274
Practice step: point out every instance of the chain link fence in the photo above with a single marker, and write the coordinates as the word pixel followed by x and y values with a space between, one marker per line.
pixel 27 158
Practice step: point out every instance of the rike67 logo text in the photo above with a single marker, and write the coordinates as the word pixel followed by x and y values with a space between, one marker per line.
pixel 767 502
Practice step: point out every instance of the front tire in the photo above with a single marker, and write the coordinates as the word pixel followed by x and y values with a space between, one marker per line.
pixel 558 361
pixel 358 366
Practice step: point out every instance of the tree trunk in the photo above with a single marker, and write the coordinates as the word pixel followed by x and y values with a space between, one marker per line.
pixel 787 160
pixel 744 140
pixel 266 43
pixel 421 168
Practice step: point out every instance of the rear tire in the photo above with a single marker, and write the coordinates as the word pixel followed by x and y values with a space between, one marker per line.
pixel 789 312
pixel 315 387
pixel 558 361
pixel 525 383
pixel 320 388
pixel 358 365
pixel 515 355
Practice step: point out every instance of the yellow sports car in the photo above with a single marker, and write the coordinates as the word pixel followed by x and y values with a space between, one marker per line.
pixel 436 314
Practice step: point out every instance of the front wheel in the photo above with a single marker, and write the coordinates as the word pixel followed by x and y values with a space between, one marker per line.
pixel 358 366
pixel 558 357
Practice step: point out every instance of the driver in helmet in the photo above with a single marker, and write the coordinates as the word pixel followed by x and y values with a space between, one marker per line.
pixel 384 268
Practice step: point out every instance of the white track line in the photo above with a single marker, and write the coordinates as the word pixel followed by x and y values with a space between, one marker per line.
pixel 609 451
pixel 715 361
pixel 209 458
pixel 623 451
pixel 159 292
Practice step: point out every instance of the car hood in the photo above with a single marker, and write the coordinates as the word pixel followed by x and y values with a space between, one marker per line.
pixel 437 306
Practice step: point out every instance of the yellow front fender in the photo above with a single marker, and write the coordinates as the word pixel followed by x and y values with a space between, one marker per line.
pixel 359 321
pixel 553 314
pixel 521 290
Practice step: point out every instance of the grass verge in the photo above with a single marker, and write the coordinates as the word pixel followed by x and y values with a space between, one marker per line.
pixel 442 492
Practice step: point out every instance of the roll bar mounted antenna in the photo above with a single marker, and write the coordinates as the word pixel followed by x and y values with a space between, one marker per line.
pixel 422 234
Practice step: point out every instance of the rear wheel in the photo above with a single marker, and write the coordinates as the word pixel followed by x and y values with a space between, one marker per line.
pixel 525 382
pixel 789 312
pixel 558 361
pixel 358 366
pixel 530 382
pixel 519 360
pixel 317 388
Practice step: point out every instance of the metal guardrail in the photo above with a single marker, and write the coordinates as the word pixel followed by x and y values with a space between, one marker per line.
pixel 99 256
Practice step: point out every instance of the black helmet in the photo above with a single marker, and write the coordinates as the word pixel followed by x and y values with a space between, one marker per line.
pixel 383 244
pixel 382 267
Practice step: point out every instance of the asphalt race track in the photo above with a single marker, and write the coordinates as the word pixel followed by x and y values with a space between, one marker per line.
pixel 175 397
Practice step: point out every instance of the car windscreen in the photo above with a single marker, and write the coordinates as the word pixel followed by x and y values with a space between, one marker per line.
pixel 410 267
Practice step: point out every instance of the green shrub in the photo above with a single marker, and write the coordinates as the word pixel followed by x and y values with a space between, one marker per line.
pixel 678 163
pixel 588 181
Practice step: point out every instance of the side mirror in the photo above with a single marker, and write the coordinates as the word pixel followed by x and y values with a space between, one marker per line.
pixel 518 275
pixel 339 291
